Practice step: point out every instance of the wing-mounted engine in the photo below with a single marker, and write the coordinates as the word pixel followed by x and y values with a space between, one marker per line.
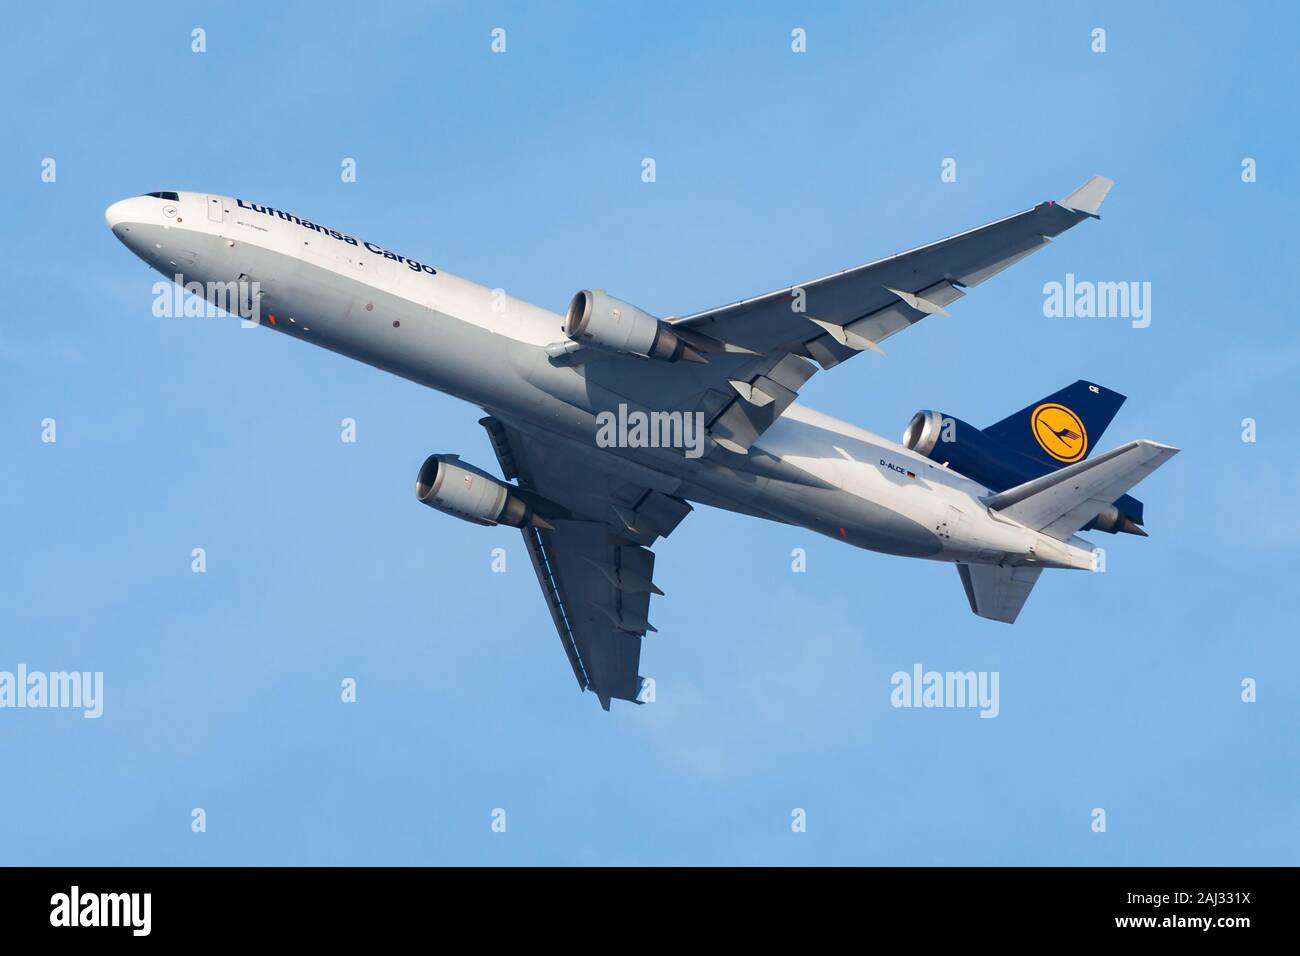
pixel 454 487
pixel 753 390
pixel 601 321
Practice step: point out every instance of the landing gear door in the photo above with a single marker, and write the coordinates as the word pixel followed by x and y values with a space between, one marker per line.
pixel 214 209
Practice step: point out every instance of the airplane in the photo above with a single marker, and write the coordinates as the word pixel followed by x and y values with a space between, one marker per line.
pixel 609 423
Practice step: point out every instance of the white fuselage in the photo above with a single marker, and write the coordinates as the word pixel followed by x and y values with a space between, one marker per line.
pixel 380 307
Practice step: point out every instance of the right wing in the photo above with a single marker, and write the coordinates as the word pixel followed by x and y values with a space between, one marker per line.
pixel 593 562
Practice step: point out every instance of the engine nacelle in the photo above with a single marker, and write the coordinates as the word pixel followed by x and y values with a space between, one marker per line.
pixel 456 488
pixel 1114 521
pixel 965 449
pixel 597 319
pixel 924 431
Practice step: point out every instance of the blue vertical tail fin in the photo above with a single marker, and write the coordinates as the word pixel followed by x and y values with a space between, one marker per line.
pixel 1062 428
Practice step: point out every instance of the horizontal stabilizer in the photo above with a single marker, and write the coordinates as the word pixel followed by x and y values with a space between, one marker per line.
pixel 1061 502
pixel 997 593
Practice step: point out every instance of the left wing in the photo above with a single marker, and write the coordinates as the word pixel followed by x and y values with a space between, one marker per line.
pixel 594 563
pixel 769 339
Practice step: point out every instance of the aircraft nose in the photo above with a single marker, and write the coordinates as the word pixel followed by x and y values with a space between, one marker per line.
pixel 117 213
pixel 134 209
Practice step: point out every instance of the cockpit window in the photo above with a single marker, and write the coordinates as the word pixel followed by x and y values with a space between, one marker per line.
pixel 172 196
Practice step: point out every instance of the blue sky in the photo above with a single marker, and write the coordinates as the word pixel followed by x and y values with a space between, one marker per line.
pixel 522 170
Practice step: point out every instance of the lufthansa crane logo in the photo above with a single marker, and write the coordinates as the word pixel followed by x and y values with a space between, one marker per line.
pixel 1060 432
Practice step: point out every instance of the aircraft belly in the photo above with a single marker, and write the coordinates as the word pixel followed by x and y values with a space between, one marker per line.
pixel 858 521
pixel 306 299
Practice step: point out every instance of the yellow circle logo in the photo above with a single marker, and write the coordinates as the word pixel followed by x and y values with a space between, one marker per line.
pixel 1060 432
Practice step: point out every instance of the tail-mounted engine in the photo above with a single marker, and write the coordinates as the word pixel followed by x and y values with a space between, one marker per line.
pixel 967 450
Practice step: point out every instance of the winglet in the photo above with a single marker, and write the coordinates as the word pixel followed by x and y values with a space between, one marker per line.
pixel 1088 198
